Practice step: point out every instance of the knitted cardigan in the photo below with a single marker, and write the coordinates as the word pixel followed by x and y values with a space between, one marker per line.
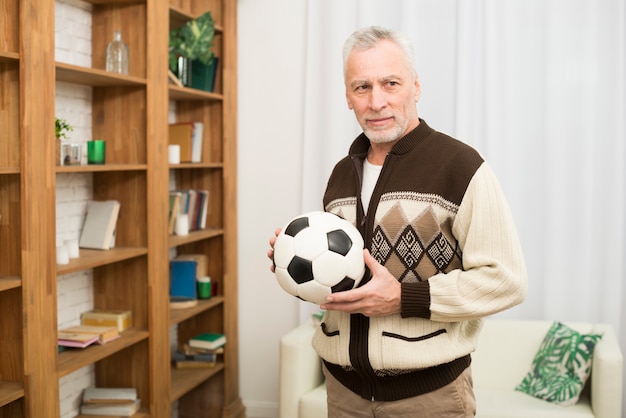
pixel 439 222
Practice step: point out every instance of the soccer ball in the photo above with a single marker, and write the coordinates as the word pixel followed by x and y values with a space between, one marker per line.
pixel 316 254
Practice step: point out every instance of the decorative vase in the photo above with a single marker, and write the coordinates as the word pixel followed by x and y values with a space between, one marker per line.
pixel 117 55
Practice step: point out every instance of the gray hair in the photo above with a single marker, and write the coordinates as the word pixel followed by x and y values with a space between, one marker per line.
pixel 369 36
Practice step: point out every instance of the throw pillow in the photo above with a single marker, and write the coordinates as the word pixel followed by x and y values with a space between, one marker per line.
pixel 561 366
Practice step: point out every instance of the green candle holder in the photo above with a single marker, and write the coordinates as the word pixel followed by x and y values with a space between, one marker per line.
pixel 96 151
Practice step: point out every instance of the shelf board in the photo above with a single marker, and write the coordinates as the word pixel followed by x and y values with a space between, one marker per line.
pixel 95 2
pixel 10 282
pixel 179 315
pixel 197 165
pixel 88 168
pixel 143 413
pixel 178 17
pixel 184 380
pixel 9 170
pixel 10 391
pixel 73 359
pixel 94 77
pixel 177 240
pixel 6 56
pixel 94 258
pixel 187 93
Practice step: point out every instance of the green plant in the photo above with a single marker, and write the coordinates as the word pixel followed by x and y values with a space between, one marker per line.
pixel 61 128
pixel 193 40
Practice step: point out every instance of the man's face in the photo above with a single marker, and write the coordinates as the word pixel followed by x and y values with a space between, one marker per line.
pixel 382 92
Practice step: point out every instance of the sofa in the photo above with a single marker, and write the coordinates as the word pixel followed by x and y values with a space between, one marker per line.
pixel 504 354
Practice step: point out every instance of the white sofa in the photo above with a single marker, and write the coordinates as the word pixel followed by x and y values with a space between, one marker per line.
pixel 505 351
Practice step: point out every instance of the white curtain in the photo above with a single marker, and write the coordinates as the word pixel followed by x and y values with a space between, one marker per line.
pixel 538 87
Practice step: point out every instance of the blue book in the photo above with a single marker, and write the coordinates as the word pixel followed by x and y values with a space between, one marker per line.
pixel 183 279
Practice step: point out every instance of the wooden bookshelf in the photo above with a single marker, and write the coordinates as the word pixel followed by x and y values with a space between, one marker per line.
pixel 131 113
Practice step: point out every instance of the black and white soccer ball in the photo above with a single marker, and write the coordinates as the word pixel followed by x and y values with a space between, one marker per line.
pixel 316 254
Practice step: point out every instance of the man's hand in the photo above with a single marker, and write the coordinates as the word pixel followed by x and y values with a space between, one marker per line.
pixel 270 252
pixel 378 297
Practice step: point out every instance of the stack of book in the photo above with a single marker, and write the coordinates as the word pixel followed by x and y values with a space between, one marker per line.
pixel 122 402
pixel 183 287
pixel 81 336
pixel 120 319
pixel 187 135
pixel 201 351
pixel 194 203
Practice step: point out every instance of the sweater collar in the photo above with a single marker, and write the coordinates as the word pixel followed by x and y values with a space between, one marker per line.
pixel 361 144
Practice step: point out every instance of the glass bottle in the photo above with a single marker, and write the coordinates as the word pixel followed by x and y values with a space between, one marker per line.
pixel 117 55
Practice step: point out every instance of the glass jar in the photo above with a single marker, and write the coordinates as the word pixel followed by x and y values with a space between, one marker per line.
pixel 117 55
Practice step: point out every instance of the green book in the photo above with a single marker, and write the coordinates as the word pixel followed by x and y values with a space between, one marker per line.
pixel 208 340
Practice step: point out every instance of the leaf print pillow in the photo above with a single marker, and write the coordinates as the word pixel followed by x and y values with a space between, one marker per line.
pixel 561 365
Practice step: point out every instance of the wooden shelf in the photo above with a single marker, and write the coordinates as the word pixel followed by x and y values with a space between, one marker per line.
pixel 9 282
pixel 9 170
pixel 6 56
pixel 184 380
pixel 179 16
pixel 93 168
pixel 73 359
pixel 186 93
pixel 180 315
pixel 95 258
pixel 196 165
pixel 94 77
pixel 194 236
pixel 131 113
pixel 143 413
pixel 10 391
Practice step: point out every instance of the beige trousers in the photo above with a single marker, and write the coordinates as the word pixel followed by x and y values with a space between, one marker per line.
pixel 455 400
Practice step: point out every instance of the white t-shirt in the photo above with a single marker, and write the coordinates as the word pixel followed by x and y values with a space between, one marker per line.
pixel 370 177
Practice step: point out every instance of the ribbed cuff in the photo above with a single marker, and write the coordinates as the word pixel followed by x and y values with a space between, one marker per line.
pixel 415 299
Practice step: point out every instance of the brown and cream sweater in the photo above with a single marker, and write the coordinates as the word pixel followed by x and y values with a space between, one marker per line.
pixel 439 222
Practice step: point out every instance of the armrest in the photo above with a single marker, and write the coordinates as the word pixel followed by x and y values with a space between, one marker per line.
pixel 300 368
pixel 606 375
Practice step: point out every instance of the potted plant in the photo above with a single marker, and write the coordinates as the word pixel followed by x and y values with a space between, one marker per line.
pixel 191 45
pixel 61 132
pixel 62 128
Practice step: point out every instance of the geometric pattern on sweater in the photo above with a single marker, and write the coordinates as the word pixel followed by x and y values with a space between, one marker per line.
pixel 414 250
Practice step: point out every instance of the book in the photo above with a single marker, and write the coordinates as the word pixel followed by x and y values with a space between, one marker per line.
pixel 191 207
pixel 202 263
pixel 193 364
pixel 209 340
pixel 193 356
pixel 125 409
pixel 98 231
pixel 186 349
pixel 95 394
pixel 178 302
pixel 181 133
pixel 203 209
pixel 183 278
pixel 180 360
pixel 109 318
pixel 75 339
pixel 103 334
pixel 196 142
pixel 173 211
